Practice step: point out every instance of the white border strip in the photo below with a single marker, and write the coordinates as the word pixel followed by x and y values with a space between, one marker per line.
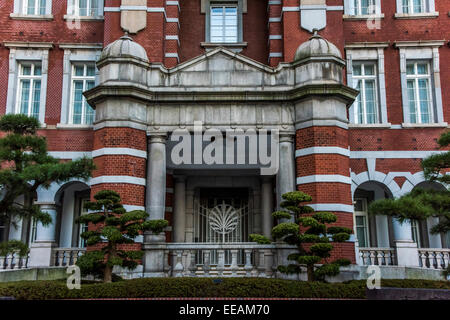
pixel 119 151
pixel 322 150
pixel 332 207
pixel 393 154
pixel 335 178
pixel 130 207
pixel 70 154
pixel 118 179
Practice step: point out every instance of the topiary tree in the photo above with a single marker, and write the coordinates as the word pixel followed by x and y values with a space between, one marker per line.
pixel 26 166
pixel 310 233
pixel 113 227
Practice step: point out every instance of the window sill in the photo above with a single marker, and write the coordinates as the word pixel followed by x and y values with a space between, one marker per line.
pixel 425 125
pixel 363 17
pixel 416 15
pixel 83 18
pixel 369 126
pixel 19 16
pixel 237 47
pixel 74 126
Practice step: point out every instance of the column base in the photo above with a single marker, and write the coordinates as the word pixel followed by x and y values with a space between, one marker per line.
pixel 407 253
pixel 41 253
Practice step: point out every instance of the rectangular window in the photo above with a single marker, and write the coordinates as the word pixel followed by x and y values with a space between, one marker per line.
pixel 364 7
pixel 418 80
pixel 83 79
pixel 416 232
pixel 365 80
pixel 29 85
pixel 414 6
pixel 84 8
pixel 361 224
pixel 33 230
pixel 34 7
pixel 224 24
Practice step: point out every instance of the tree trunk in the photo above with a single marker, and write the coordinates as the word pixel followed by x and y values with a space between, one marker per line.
pixel 107 278
pixel 310 273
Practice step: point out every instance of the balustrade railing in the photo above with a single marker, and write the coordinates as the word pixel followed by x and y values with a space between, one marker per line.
pixel 64 257
pixel 434 258
pixel 195 259
pixel 13 261
pixel 377 256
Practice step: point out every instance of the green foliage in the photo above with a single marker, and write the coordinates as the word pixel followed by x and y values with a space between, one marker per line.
pixel 258 238
pixel 313 232
pixel 203 287
pixel 281 215
pixel 156 226
pixel 116 227
pixel 30 167
pixel 13 246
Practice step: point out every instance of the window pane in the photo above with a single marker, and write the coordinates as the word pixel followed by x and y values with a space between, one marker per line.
pixel 369 69
pixel 422 68
pixel 94 8
pixel 412 100
pixel 358 206
pixel 370 101
pixel 31 7
pixel 418 6
pixel 26 70
pixel 361 231
pixel 77 101
pixel 424 101
pixel 88 110
pixel 357 70
pixel 42 7
pixel 410 69
pixel 79 71
pixel 359 103
pixel 24 96
pixel 37 70
pixel 36 98
pixel 83 7
pixel 405 5
pixel 90 71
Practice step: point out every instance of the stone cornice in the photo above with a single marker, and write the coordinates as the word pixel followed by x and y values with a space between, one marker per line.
pixel 420 43
pixel 31 45
pixel 118 90
pixel 364 45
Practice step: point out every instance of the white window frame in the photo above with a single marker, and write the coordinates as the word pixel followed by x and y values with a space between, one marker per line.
pixel 416 77
pixel 73 9
pixel 33 230
pixel 363 78
pixel 364 53
pixel 223 25
pixel 416 232
pixel 20 10
pixel 351 11
pixel 364 214
pixel 241 8
pixel 32 79
pixel 82 226
pixel 357 10
pixel 34 52
pixel 410 7
pixel 85 79
pixel 75 53
pixel 428 5
pixel 423 50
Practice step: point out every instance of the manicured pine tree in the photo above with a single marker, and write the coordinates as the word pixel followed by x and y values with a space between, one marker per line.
pixel 26 166
pixel 112 227
pixel 310 233
pixel 420 204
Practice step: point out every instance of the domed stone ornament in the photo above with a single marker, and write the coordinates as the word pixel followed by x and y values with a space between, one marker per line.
pixel 223 219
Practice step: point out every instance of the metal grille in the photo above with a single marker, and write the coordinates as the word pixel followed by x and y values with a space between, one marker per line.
pixel 235 222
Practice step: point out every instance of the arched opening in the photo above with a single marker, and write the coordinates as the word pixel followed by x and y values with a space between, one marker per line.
pixel 70 200
pixel 421 230
pixel 372 231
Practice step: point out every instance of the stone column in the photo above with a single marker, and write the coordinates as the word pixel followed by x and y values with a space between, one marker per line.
pixel 156 176
pixel 179 213
pixel 189 231
pixel 41 248
pixel 406 248
pixel 267 206
pixel 286 171
pixel 154 244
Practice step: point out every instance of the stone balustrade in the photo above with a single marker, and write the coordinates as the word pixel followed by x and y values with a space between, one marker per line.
pixel 64 257
pixel 377 256
pixel 13 261
pixel 221 259
pixel 434 258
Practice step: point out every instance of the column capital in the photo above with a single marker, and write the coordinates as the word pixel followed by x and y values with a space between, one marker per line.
pixel 287 136
pixel 46 205
pixel 157 137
